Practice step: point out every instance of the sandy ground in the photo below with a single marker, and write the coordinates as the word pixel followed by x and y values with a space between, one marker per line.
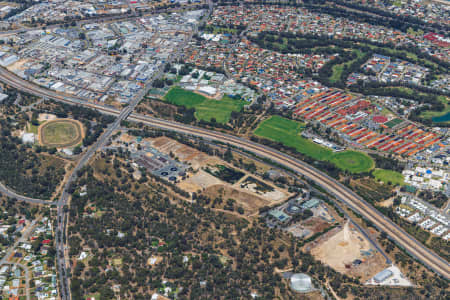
pixel 46 117
pixel 275 195
pixel 251 203
pixel 343 248
pixel 18 65
pixel 154 260
pixel 196 158
pixel 305 229
pixel 18 132
pixel 387 202
pixel 299 231
pixel 199 181
pixel 316 224
pixel 126 138
pixel 250 199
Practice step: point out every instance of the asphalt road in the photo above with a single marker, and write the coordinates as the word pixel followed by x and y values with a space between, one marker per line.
pixel 62 218
pixel 414 247
pixel 348 197
pixel 10 193
pixel 344 194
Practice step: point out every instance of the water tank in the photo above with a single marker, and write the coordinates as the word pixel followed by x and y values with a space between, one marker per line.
pixel 301 283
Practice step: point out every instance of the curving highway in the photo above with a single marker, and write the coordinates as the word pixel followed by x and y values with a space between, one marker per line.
pixel 344 194
pixel 12 194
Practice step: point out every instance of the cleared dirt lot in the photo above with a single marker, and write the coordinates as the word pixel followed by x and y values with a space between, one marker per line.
pixel 276 195
pixel 194 157
pixel 46 117
pixel 251 203
pixel 199 181
pixel 343 248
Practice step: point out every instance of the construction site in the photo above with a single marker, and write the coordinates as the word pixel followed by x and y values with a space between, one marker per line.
pixel 347 251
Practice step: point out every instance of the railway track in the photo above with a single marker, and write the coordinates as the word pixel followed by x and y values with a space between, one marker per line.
pixel 348 197
pixel 410 244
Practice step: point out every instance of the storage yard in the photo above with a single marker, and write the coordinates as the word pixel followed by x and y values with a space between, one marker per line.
pixel 391 276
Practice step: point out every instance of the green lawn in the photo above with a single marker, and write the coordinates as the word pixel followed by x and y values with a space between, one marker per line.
pixel 353 161
pixel 205 109
pixel 388 176
pixel 337 71
pixel 33 128
pixel 179 96
pixel 287 132
pixel 393 122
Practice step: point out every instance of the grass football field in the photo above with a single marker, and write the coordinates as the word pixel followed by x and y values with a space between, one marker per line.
pixel 387 176
pixel 287 132
pixel 205 109
pixel 353 161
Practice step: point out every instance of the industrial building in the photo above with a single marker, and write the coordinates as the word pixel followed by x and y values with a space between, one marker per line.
pixel 312 203
pixel 383 275
pixel 159 164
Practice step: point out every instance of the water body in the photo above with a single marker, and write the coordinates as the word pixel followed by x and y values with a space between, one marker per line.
pixel 442 119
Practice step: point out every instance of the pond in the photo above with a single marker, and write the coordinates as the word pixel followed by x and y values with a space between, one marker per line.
pixel 441 119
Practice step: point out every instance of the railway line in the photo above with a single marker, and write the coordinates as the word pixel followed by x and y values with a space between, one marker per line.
pixel 344 194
